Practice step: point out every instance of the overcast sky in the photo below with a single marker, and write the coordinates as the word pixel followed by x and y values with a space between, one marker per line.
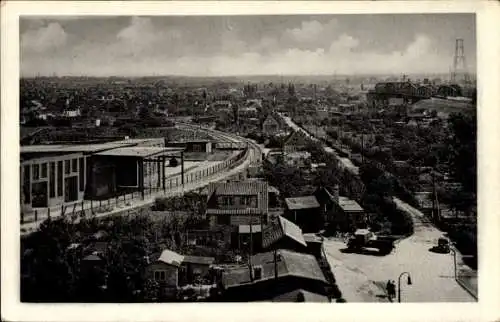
pixel 244 45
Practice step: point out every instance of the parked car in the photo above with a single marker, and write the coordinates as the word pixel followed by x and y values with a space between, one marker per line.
pixel 364 238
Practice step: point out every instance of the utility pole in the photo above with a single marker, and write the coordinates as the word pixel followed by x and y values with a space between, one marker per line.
pixel 362 148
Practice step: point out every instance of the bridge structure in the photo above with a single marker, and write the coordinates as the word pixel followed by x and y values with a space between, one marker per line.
pixel 410 92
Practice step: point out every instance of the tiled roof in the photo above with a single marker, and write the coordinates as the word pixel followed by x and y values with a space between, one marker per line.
pixel 302 202
pixel 348 204
pixel 289 264
pixel 243 211
pixel 235 188
pixel 171 258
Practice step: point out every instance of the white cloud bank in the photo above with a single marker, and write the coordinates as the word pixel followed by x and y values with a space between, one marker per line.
pixel 142 49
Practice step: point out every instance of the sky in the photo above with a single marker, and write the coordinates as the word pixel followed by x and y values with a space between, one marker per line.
pixel 244 45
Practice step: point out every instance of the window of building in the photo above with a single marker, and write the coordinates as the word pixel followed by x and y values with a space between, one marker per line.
pixel 59 178
pixel 225 201
pixel 44 171
pixel 160 276
pixel 52 180
pixel 36 171
pixel 252 202
pixel 257 272
pixel 74 165
pixel 81 175
pixel 67 166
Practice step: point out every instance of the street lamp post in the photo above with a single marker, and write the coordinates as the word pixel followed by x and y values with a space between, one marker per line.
pixel 453 251
pixel 399 284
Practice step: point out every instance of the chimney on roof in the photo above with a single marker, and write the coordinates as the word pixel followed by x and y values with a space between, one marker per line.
pixel 336 190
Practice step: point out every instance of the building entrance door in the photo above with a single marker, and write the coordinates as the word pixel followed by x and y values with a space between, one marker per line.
pixel 39 194
pixel 71 189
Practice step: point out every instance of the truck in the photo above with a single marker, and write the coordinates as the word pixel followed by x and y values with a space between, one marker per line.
pixel 364 238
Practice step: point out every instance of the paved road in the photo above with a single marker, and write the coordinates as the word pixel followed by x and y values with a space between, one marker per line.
pixel 362 277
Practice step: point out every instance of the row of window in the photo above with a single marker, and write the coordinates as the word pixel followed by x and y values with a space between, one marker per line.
pixel 225 220
pixel 40 170
pixel 160 276
pixel 48 171
pixel 247 201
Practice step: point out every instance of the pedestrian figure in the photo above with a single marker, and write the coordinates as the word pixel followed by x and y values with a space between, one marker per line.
pixel 391 290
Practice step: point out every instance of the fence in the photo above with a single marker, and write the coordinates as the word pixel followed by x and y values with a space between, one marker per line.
pixel 118 203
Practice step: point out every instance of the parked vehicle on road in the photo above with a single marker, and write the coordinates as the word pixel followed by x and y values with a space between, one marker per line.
pixel 443 246
pixel 364 238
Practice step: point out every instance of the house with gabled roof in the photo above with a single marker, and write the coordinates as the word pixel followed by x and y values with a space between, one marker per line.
pixel 340 211
pixel 237 203
pixel 305 212
pixel 171 269
pixel 271 125
pixel 296 141
pixel 273 275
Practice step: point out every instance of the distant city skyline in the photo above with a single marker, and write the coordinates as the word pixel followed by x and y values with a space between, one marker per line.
pixel 210 46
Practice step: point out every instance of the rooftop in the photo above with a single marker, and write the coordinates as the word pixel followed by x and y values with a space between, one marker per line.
pixel 349 204
pixel 292 230
pixel 312 238
pixel 306 202
pixel 139 151
pixel 289 263
pixel 171 258
pixel 236 188
pixel 71 148
pixel 199 260
pixel 189 141
pixel 283 227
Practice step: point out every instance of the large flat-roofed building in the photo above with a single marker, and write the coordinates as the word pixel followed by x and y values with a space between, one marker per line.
pixel 52 175
pixel 55 175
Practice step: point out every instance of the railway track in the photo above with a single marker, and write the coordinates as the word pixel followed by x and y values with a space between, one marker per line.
pixel 253 155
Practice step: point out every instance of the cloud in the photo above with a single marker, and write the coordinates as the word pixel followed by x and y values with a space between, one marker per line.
pixel 142 47
pixel 343 43
pixel 311 30
pixel 44 39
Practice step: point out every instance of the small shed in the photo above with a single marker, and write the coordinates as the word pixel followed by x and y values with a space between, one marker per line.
pixel 305 212
pixel 165 270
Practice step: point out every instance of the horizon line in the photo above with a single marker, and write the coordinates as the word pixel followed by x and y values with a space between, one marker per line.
pixel 236 76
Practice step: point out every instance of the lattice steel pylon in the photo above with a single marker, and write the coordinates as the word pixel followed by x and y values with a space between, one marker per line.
pixel 459 71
